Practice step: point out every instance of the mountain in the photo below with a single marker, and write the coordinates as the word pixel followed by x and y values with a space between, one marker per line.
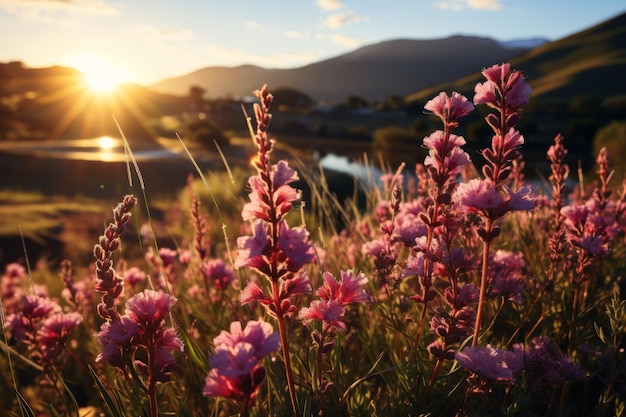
pixel 591 62
pixel 530 43
pixel 374 72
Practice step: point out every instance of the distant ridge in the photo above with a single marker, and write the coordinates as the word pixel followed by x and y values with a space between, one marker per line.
pixel 590 62
pixel 374 72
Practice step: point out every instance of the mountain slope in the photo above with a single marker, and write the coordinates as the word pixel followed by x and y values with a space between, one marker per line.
pixel 590 62
pixel 373 72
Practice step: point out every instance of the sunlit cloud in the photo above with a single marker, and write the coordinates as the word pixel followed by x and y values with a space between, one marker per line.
pixel 151 32
pixel 294 34
pixel 485 4
pixel 330 4
pixel 455 5
pixel 338 20
pixel 251 24
pixel 345 40
pixel 47 9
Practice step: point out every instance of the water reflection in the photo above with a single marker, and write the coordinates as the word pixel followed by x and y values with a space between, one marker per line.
pixel 362 170
pixel 104 149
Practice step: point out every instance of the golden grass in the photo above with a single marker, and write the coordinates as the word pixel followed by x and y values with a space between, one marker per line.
pixel 39 216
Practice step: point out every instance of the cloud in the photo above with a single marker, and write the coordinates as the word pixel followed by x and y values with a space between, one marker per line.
pixel 251 24
pixel 151 32
pixel 472 4
pixel 338 20
pixel 345 40
pixel 485 4
pixel 330 4
pixel 44 9
pixel 294 34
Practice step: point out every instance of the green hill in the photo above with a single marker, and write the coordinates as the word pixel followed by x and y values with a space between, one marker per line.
pixel 591 62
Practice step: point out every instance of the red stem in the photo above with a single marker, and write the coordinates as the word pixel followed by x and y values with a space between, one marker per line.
pixel 483 282
pixel 284 344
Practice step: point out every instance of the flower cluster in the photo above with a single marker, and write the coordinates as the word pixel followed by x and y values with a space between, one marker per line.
pixel 142 327
pixel 275 250
pixel 334 297
pixel 544 366
pixel 41 325
pixel 237 370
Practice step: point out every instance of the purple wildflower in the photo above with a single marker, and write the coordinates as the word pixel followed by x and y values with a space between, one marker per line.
pixel 328 312
pixel 348 290
pixel 134 276
pixel 490 201
pixel 54 333
pixel 142 327
pixel 218 274
pixel 237 372
pixel 449 108
pixel 502 88
pixel 487 362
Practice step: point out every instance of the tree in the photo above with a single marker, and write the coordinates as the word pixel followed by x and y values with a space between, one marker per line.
pixel 586 105
pixel 391 103
pixel 356 103
pixel 196 98
pixel 613 138
pixel 289 98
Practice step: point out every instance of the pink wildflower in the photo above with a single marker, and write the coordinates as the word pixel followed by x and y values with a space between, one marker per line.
pixel 168 256
pixel 295 246
pixel 142 326
pixel 252 292
pixel 348 290
pixel 508 277
pixel 54 333
pixel 334 297
pixel 237 372
pixel 449 108
pixel 483 197
pixel 217 273
pixel 586 231
pixel 117 340
pixel 149 308
pixel 486 361
pixel 502 85
pixel 253 249
pixel 298 285
pixel 259 334
pixel 329 312
pixel 134 276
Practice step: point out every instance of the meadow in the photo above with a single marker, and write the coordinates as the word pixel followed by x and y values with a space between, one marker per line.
pixel 451 289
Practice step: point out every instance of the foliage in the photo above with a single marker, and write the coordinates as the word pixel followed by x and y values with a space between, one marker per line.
pixel 613 138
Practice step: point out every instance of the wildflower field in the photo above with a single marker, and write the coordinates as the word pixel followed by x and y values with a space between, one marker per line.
pixel 452 290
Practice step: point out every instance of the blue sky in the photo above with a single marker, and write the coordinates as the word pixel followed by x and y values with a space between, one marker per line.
pixel 149 40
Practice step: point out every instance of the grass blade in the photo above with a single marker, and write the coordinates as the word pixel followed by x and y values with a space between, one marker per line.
pixel 105 395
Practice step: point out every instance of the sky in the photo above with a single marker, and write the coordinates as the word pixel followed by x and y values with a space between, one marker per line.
pixel 145 41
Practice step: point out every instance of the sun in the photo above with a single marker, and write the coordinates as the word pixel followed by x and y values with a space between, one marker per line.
pixel 101 76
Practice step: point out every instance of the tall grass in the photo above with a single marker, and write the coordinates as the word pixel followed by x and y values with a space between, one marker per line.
pixel 452 290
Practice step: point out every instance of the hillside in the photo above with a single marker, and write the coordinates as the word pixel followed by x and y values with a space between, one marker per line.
pixel 590 62
pixel 55 103
pixel 374 72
